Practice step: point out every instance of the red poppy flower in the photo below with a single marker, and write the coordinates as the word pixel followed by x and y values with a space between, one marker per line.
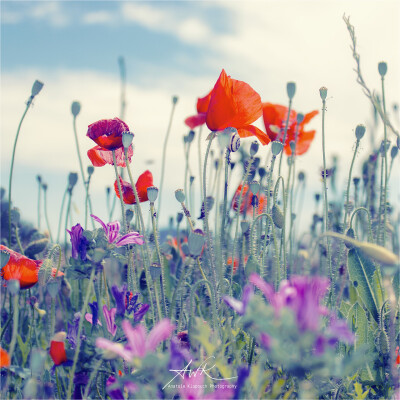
pixel 145 180
pixel 397 356
pixel 107 133
pixel 275 117
pixel 4 359
pixel 235 104
pixel 100 156
pixel 236 262
pixel 57 349
pixel 22 269
pixel 246 201
pixel 202 107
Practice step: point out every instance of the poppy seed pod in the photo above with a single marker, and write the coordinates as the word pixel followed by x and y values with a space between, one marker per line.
pixel 179 195
pixel 394 151
pixel 72 179
pixel 254 187
pixel 299 118
pixel 36 88
pixel 90 170
pixel 291 89
pixel 323 92
pixel 152 193
pixel 398 142
pixel 190 136
pixel 225 136
pixel 196 242
pixel 179 217
pixel 262 172
pixel 276 147
pixel 360 131
pixel 277 216
pixel 13 286
pixel 235 142
pixel 292 145
pixel 254 148
pixel 356 181
pixel 127 138
pixel 301 176
pixel 175 99
pixel 382 68
pixel 75 108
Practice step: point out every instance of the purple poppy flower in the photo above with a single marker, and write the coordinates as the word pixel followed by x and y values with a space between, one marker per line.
pixel 78 242
pixel 113 389
pixel 109 316
pixel 240 306
pixel 119 296
pixel 139 344
pixel 112 233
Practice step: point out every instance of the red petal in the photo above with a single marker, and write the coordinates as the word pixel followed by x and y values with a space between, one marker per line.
pixel 100 156
pixel 233 104
pixel 95 157
pixel 145 180
pixel 275 114
pixel 127 192
pixel 195 120
pixel 4 359
pixel 251 130
pixel 203 103
pixel 107 133
pixel 57 352
pixel 303 143
pixel 308 117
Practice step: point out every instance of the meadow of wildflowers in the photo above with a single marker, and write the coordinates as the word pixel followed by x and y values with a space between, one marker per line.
pixel 232 300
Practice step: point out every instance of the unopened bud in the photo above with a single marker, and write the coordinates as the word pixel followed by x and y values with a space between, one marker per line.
pixel 323 92
pixel 382 68
pixel 291 89
pixel 75 108
pixel 36 88
pixel 254 148
pixel 360 131
pixel 276 147
pixel 175 99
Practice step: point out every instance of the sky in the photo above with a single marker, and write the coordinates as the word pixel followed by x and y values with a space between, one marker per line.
pixel 179 49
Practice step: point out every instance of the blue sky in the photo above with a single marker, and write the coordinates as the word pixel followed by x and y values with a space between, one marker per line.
pixel 178 48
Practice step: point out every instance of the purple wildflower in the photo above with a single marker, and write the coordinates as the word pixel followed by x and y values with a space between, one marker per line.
pixel 112 233
pixel 72 334
pixel 139 344
pixel 243 374
pixel 109 316
pixel 139 309
pixel 78 242
pixel 113 389
pixel 95 312
pixel 178 355
pixel 119 296
pixel 240 306
pixel 81 379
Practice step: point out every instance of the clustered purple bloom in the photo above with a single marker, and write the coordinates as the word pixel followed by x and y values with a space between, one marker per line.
pixel 72 334
pixel 128 302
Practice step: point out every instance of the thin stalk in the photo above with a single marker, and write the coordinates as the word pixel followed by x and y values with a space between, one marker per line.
pixel 66 221
pixel 285 133
pixel 326 195
pixel 39 203
pixel 121 197
pixel 200 169
pixel 12 168
pixel 91 378
pixel 283 234
pixel 46 215
pixel 80 326
pixel 386 164
pixel 143 231
pixel 163 157
pixel 61 213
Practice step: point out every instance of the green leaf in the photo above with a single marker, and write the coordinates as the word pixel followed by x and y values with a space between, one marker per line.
pixel 24 347
pixel 361 272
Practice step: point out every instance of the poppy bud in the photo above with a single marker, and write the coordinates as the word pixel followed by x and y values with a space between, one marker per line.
pixel 277 216
pixel 299 118
pixel 356 181
pixel 13 286
pixel 254 201
pixel 254 148
pixel 75 108
pixel 254 187
pixel 36 88
pixel 127 138
pixel 323 92
pixel 179 217
pixel 90 170
pixel 382 68
pixel 350 233
pixel 394 151
pixel 360 131
pixel 191 179
pixel 155 271
pixel 291 89
pixel 175 99
pixel 152 193
pixel 44 186
pixel 57 348
pixel 262 172
pixel 384 148
pixel 292 145
pixel 301 176
pixel 72 179
pixel 39 179
pixel 179 195
pixel 190 136
pixel 276 147
pixel 196 242
pixel 398 142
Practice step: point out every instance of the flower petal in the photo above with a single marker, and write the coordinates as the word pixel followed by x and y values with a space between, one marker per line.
pixel 136 338
pixel 100 222
pixel 144 181
pixel 130 238
pixel 113 229
pixel 107 133
pixel 251 130
pixel 159 333
pixel 116 348
pixel 266 288
pixel 203 103
pixel 195 120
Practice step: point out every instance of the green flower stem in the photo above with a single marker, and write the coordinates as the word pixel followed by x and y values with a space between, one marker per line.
pixel 252 344
pixel 200 168
pixel 381 227
pixel 201 270
pixel 188 216
pixel 61 213
pixel 205 221
pixel 143 231
pixel 121 197
pixel 237 216
pixel 182 278
pixel 46 215
pixel 29 102
pixel 160 258
pixel 39 203
pixel 164 156
pixel 60 394
pixel 13 342
pixel 227 161
pixel 355 212
pixel 88 202
pixel 80 326
pixel 286 197
pixel 283 242
pixel 386 164
pixel 285 133
pixel 91 378
pixel 328 243
pixel 66 220
pixel 348 187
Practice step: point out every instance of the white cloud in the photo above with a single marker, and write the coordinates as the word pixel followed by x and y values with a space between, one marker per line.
pixel 50 11
pixel 98 17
